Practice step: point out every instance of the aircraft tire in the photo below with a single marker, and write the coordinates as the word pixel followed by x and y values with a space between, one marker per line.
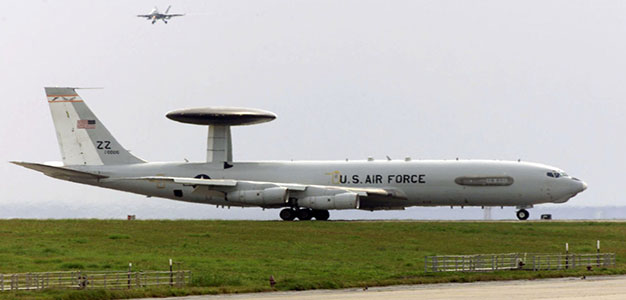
pixel 522 214
pixel 321 215
pixel 304 214
pixel 288 214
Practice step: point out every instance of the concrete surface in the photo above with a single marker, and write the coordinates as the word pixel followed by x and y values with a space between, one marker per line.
pixel 596 287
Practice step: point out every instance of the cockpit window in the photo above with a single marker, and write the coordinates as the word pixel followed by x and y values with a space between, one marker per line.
pixel 556 174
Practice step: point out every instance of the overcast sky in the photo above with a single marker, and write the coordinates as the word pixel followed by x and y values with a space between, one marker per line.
pixel 543 81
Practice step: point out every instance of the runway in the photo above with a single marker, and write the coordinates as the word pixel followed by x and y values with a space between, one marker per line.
pixel 596 287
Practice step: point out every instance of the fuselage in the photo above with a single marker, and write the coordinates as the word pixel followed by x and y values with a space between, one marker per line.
pixel 421 182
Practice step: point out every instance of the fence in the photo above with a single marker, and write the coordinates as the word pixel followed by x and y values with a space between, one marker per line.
pixel 465 263
pixel 515 261
pixel 567 261
pixel 93 280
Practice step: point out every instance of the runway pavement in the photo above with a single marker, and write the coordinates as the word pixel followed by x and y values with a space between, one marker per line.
pixel 596 287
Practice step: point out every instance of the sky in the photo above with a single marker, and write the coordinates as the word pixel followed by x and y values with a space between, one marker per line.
pixel 539 81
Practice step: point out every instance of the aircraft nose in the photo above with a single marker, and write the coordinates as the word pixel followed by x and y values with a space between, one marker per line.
pixel 583 186
pixel 579 185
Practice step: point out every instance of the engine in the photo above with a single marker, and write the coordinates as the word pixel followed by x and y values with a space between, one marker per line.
pixel 339 201
pixel 269 196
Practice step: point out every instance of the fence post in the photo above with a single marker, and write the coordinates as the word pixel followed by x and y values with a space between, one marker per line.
pixel 130 265
pixel 171 274
pixel 598 251
pixel 566 256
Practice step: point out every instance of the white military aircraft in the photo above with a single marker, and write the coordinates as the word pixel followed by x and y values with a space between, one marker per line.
pixel 155 15
pixel 302 189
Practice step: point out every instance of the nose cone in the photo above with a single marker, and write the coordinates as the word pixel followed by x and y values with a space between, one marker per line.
pixel 583 186
pixel 577 186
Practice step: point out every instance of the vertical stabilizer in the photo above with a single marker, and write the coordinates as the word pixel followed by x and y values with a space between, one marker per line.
pixel 83 139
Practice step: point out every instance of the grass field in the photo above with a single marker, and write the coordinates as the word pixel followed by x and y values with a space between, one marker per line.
pixel 239 256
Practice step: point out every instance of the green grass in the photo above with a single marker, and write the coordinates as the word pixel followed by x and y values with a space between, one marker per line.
pixel 240 256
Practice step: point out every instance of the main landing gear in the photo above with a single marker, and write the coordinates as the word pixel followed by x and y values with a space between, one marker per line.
pixel 522 214
pixel 304 214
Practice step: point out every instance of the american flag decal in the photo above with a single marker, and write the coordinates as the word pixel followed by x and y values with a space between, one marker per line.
pixel 86 124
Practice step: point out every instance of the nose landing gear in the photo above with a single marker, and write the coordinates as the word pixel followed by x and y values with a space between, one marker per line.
pixel 522 214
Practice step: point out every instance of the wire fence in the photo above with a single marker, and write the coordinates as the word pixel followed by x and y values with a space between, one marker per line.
pixel 93 280
pixel 516 261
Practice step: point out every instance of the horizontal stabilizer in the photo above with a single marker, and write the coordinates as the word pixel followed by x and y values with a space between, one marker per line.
pixel 58 172
pixel 183 180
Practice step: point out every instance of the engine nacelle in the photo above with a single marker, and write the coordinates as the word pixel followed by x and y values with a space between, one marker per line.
pixel 339 201
pixel 269 196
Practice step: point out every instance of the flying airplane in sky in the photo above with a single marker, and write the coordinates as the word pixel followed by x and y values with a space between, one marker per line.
pixel 301 189
pixel 155 15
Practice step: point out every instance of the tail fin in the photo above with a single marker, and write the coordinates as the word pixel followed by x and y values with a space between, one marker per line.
pixel 167 10
pixel 83 139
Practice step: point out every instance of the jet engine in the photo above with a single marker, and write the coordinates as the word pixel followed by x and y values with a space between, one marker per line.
pixel 269 196
pixel 339 201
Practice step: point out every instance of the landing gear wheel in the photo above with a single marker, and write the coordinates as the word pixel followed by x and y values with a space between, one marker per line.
pixel 305 214
pixel 523 214
pixel 288 214
pixel 321 215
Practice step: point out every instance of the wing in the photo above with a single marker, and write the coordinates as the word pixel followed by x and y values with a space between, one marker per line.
pixel 314 196
pixel 145 16
pixel 173 15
